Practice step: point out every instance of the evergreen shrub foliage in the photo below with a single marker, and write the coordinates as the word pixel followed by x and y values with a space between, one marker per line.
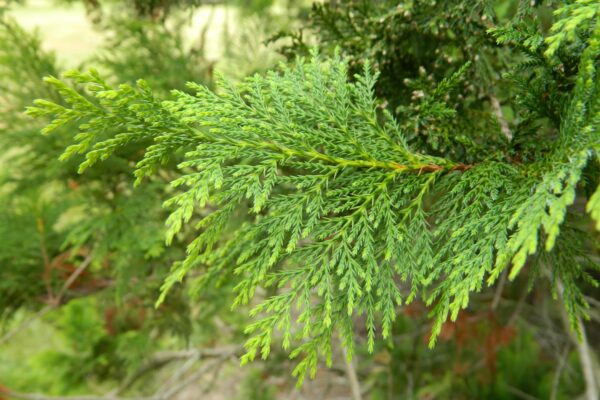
pixel 353 204
pixel 54 221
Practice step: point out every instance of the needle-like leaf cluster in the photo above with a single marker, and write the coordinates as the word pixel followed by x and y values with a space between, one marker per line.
pixel 343 215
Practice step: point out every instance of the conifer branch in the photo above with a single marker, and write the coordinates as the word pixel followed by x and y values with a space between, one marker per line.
pixel 338 202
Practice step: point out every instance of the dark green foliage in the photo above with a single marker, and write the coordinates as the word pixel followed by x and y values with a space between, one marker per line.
pixel 414 50
pixel 21 192
pixel 476 358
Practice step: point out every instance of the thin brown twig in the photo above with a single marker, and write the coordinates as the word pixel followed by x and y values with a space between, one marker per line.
pixel 24 325
pixel 352 376
pixel 171 392
pixel 54 301
pixel 163 358
pixel 72 278
pixel 562 361
pixel 223 355
pixel 178 375
pixel 499 290
pixel 521 394
pixel 497 108
pixel 583 350
pixel 37 396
